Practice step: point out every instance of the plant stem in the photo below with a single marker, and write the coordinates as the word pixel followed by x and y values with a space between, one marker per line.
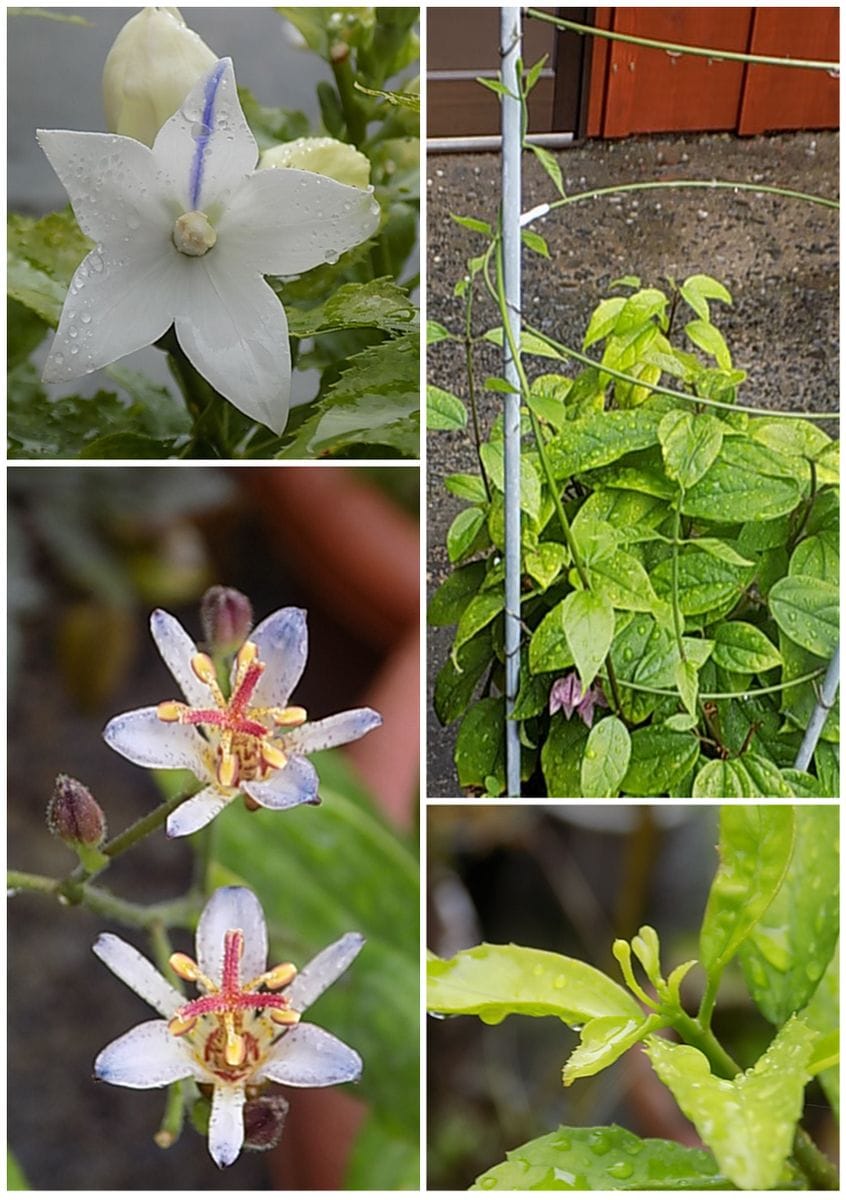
pixel 350 105
pixel 173 1119
pixel 678 622
pixel 471 383
pixel 162 950
pixel 704 1040
pixel 24 881
pixel 820 1172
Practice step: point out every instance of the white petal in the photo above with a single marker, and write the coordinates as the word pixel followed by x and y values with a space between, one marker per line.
pixel 282 641
pixel 206 147
pixel 145 740
pixel 317 975
pixel 226 1125
pixel 177 649
pixel 196 812
pixel 336 730
pixel 232 908
pixel 235 332
pixel 112 185
pixel 296 783
pixel 120 300
pixel 287 221
pixel 145 1057
pixel 138 973
pixel 308 1056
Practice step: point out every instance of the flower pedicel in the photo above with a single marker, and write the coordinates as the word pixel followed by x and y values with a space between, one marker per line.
pixel 242 1032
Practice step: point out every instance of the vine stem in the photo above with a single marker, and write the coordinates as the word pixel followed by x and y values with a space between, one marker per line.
pixel 471 383
pixel 547 470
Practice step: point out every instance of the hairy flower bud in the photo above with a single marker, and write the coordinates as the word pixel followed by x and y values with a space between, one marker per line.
pixel 227 618
pixel 153 64
pixel 264 1120
pixel 75 816
pixel 321 156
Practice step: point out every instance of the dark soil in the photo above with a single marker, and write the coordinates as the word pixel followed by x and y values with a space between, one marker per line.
pixel 778 258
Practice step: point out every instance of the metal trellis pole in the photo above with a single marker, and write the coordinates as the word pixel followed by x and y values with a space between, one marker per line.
pixel 512 117
pixel 824 705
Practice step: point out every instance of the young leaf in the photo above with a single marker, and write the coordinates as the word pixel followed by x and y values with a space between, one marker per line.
pixel 756 842
pixel 785 955
pixel 606 758
pixel 435 332
pixel 534 241
pixel 588 627
pixel 492 982
pixel 686 679
pixel 697 290
pixel 689 442
pixel 444 410
pixel 550 165
pixel 708 338
pixel 749 1121
pixel 462 532
pixel 596 1158
pixel 473 224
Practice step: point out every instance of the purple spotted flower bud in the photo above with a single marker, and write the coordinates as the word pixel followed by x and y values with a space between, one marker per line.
pixel 227 618
pixel 75 816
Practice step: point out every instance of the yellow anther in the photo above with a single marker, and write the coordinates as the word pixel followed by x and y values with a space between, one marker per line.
pixel 246 655
pixel 185 967
pixel 278 977
pixel 289 716
pixel 178 1025
pixel 203 668
pixel 272 756
pixel 234 1052
pixel 284 1016
pixel 227 769
pixel 170 710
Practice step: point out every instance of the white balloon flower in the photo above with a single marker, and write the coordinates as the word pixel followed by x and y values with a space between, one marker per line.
pixel 185 231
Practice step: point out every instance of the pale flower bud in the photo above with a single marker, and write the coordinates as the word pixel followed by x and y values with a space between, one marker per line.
pixel 322 156
pixel 152 66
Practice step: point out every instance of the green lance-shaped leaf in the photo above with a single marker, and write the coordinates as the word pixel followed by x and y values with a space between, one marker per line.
pixel 749 1121
pixel 756 842
pixel 463 531
pixel 492 982
pixel 606 758
pixel 589 629
pixel 689 442
pixel 603 1041
pixel 741 647
pixel 444 410
pixel 787 952
pixel 602 1158
pixel 549 649
pixel 808 611
pixel 823 1015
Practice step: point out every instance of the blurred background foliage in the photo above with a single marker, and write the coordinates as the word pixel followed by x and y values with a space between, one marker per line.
pixel 91 552
pixel 567 878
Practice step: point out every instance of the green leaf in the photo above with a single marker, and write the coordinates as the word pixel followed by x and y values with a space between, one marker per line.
pixel 493 982
pixel 588 622
pixel 473 224
pixel 823 1015
pixel 462 532
pixel 596 1158
pixel 606 758
pixel 534 241
pixel 455 593
pixel 638 310
pixel 336 863
pixel 549 649
pixel 456 681
pixel 479 612
pixel 480 745
pixel 623 581
pixel 749 1121
pixel 603 1041
pixel 467 487
pixel 697 290
pixel 708 338
pixel 742 485
pixel 600 439
pixel 382 1159
pixel 705 583
pixel 741 647
pixel 444 410
pixel 690 442
pixel 686 679
pixel 529 343
pixel 545 564
pixel 749 776
pixel 756 842
pixel 436 332
pixel 818 556
pixel 550 164
pixel 561 757
pixel 660 758
pixel 270 126
pixel 15 1178
pixel 787 952
pixel 376 304
pixel 603 319
pixel 42 257
pixel 808 611
pixel 126 445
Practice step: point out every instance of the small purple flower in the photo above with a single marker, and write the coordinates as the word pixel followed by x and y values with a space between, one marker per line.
pixel 566 695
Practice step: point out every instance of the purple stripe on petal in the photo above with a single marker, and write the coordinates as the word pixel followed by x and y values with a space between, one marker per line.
pixel 203 136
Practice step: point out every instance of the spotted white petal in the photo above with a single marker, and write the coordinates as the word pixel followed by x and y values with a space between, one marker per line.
pixel 282 641
pixel 296 783
pixel 288 221
pixel 235 332
pixel 177 649
pixel 336 730
pixel 196 812
pixel 232 908
pixel 138 973
pixel 206 147
pixel 322 971
pixel 146 1057
pixel 226 1124
pixel 308 1056
pixel 148 742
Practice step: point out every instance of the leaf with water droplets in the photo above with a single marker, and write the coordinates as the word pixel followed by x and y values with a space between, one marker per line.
pixel 785 955
pixel 748 1121
pixel 492 982
pixel 603 1041
pixel 601 1159
pixel 756 842
pixel 823 1014
pixel 808 611
pixel 606 758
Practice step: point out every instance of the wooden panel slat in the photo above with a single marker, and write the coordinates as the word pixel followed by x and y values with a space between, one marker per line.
pixel 784 97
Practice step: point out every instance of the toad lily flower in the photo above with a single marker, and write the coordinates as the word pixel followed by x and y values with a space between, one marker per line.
pixel 244 1029
pixel 251 742
pixel 566 695
pixel 185 231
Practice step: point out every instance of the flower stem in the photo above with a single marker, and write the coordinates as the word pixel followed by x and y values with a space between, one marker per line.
pixel 181 912
pixel 350 105
pixel 820 1172
pixel 24 881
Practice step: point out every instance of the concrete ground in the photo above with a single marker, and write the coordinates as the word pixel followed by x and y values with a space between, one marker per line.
pixel 778 257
